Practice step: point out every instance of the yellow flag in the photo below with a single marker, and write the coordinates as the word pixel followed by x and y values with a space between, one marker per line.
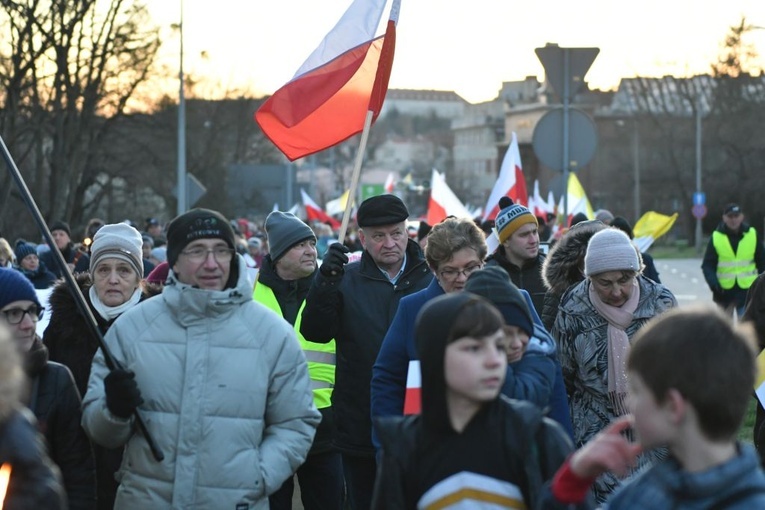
pixel 650 227
pixel 759 385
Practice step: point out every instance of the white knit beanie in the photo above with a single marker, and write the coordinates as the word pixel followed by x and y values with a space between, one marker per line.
pixel 610 250
pixel 118 241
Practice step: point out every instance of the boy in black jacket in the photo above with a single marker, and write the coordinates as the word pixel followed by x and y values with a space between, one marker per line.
pixel 469 445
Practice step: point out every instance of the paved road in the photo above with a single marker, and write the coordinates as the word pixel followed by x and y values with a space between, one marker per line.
pixel 684 278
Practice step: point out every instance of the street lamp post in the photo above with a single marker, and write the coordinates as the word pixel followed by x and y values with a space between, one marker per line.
pixel 181 184
pixel 636 165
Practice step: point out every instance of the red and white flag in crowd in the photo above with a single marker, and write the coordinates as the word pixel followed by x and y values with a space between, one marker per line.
pixel 510 182
pixel 346 76
pixel 390 182
pixel 413 395
pixel 539 204
pixel 443 202
pixel 315 213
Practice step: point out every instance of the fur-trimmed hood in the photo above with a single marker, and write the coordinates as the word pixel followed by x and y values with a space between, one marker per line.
pixel 11 374
pixel 562 266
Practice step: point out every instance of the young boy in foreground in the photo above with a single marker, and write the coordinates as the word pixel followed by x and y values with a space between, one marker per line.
pixel 470 447
pixel 691 375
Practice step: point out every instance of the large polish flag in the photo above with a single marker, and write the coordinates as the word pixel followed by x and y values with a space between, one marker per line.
pixel 510 182
pixel 443 202
pixel 315 213
pixel 346 76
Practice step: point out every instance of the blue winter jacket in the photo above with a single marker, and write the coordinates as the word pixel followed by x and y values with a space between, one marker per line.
pixel 532 378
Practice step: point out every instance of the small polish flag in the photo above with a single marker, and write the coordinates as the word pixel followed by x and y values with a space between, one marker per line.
pixel 314 212
pixel 413 397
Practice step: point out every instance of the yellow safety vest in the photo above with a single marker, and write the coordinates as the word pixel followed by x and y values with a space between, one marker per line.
pixel 320 357
pixel 735 268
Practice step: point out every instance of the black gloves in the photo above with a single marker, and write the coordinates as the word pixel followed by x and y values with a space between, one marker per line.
pixel 334 260
pixel 122 394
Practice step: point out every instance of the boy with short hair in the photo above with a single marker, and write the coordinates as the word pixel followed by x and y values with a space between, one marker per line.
pixel 691 374
pixel 470 447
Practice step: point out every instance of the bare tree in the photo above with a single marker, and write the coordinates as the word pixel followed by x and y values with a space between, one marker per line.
pixel 68 69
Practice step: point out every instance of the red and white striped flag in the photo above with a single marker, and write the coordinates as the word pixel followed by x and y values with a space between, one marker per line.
pixel 510 182
pixel 315 213
pixel 443 202
pixel 413 395
pixel 390 182
pixel 346 76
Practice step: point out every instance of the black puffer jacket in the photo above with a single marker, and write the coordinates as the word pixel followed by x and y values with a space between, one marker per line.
pixel 563 266
pixel 356 310
pixel 70 342
pixel 35 481
pixel 536 444
pixel 56 404
pixel 528 277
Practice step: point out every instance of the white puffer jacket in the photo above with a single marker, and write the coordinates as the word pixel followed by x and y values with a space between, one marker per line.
pixel 226 397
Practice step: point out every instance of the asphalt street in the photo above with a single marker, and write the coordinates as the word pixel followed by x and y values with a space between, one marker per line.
pixel 684 278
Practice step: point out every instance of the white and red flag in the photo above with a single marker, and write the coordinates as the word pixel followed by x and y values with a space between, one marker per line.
pixel 315 213
pixel 539 204
pixel 510 182
pixel 443 202
pixel 345 77
pixel 390 183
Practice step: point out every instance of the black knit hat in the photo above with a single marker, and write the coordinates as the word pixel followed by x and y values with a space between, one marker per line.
pixel 285 230
pixel 196 224
pixel 494 284
pixel 61 225
pixel 381 210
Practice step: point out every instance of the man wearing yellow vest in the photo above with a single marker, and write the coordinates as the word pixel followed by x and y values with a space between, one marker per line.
pixel 283 282
pixel 733 259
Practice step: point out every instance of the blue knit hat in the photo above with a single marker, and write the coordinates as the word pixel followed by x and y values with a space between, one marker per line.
pixel 14 286
pixel 23 249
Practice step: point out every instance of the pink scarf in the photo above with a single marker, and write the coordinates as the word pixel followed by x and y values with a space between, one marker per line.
pixel 618 344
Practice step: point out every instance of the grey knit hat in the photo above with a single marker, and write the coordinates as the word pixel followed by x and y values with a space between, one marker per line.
pixel 285 230
pixel 610 250
pixel 118 241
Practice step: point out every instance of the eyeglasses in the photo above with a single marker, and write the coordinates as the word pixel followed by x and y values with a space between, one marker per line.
pixel 453 274
pixel 221 254
pixel 15 315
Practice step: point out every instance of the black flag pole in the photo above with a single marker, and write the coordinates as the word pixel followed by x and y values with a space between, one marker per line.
pixel 82 305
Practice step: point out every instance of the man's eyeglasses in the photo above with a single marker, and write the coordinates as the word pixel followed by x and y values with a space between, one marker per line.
pixel 221 254
pixel 452 274
pixel 16 315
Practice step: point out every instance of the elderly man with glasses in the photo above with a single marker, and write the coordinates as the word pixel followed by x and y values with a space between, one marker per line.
pixel 220 381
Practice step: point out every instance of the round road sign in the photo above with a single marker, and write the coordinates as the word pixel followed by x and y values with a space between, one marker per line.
pixel 548 139
pixel 699 211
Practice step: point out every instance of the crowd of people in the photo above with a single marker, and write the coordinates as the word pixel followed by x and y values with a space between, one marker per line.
pixel 210 363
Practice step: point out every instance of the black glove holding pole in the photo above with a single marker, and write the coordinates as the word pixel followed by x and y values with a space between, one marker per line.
pixel 122 393
pixel 334 260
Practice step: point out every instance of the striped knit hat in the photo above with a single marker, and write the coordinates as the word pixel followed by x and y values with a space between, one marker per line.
pixel 511 217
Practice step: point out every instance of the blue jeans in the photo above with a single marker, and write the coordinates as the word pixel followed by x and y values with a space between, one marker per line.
pixel 321 484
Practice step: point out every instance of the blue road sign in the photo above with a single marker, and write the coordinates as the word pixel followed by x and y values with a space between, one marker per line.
pixel 699 198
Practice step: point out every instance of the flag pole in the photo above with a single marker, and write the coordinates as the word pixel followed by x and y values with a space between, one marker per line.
pixel 356 175
pixel 79 299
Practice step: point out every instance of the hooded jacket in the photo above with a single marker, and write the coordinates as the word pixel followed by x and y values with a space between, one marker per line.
pixel 356 310
pixel 563 266
pixel 55 402
pixel 532 446
pixel 226 398
pixel 41 278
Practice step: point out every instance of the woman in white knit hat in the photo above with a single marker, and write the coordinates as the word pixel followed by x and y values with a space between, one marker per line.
pixel 111 287
pixel 595 323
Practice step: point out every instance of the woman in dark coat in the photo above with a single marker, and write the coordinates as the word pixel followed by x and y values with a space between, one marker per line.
pixel 52 396
pixel 34 480
pixel 111 287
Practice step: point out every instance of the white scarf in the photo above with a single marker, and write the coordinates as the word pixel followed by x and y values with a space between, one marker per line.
pixel 112 312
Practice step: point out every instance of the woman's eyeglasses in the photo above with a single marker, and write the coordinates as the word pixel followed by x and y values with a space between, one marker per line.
pixel 16 315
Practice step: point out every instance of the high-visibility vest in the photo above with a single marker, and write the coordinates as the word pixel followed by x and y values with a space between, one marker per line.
pixel 735 268
pixel 321 358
